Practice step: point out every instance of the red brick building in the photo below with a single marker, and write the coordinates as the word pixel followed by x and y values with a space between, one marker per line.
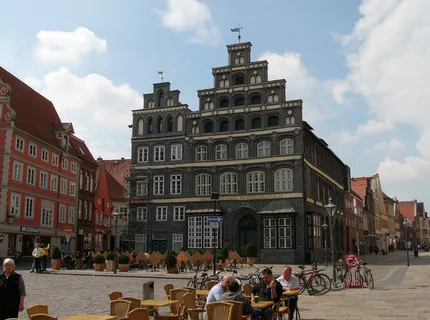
pixel 38 193
pixel 352 217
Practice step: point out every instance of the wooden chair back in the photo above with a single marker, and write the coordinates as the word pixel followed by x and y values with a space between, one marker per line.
pixel 119 308
pixel 247 290
pixel 167 289
pixel 42 317
pixel 237 309
pixel 219 310
pixel 211 283
pixel 115 295
pixel 190 301
pixel 176 294
pixel 37 308
pixel 138 314
pixel 134 303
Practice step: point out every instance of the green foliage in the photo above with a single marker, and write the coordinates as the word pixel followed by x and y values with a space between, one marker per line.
pixel 223 254
pixel 170 259
pixel 56 253
pixel 183 249
pixel 251 250
pixel 123 259
pixel 110 256
pixel 99 259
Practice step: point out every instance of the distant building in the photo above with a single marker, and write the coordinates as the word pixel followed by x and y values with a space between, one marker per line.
pixel 250 145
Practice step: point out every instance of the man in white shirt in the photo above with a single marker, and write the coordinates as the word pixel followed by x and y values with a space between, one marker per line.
pixel 219 289
pixel 37 255
pixel 290 282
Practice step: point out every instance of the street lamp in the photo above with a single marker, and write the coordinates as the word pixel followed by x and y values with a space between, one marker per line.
pixel 215 197
pixel 325 226
pixel 405 224
pixel 357 242
pixel 115 217
pixel 331 209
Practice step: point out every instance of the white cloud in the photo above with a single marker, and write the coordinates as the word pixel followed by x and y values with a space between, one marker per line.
pixel 412 168
pixel 98 108
pixel 389 146
pixel 62 46
pixel 191 16
pixel 372 127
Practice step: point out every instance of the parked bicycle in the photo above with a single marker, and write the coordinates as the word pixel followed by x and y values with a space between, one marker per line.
pixel 313 281
pixel 364 275
pixel 343 275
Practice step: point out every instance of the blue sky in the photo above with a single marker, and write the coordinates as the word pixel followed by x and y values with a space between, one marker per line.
pixel 359 66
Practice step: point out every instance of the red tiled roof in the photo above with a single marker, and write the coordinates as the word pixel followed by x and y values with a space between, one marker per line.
pixel 80 150
pixel 119 169
pixel 407 209
pixel 116 190
pixel 35 114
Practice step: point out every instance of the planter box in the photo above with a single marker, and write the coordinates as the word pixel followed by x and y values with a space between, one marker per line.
pixel 56 264
pixel 123 267
pixel 172 270
pixel 99 266
pixel 250 260
pixel 110 265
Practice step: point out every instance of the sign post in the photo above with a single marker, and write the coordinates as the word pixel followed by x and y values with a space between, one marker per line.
pixel 68 231
pixel 214 219
pixel 357 242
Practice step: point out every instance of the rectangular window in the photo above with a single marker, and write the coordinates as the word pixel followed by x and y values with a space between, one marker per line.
pixel 158 187
pixel 15 204
pixel 177 241
pixel 195 232
pixel 63 186
pixel 44 155
pixel 90 210
pixel 31 176
pixel 142 154
pixel 71 215
pixel 72 189
pixel 17 171
pixel 55 159
pixel 142 214
pixel 64 164
pixel 73 167
pixel 46 217
pixel 159 153
pixel 176 152
pixel 176 184
pixel 269 233
pixel 43 182
pixel 285 233
pixel 62 215
pixel 161 214
pixel 19 144
pixel 29 208
pixel 80 209
pixel 54 182
pixel 317 230
pixel 85 210
pixel 32 149
pixel 141 188
pixel 140 240
pixel 178 213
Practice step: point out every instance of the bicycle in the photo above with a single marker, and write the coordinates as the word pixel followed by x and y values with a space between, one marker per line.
pixel 343 275
pixel 316 283
pixel 364 275
pixel 198 283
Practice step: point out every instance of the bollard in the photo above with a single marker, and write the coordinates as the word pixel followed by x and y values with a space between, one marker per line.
pixel 148 290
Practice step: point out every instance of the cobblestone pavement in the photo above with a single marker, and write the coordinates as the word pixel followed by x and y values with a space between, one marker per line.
pixel 400 293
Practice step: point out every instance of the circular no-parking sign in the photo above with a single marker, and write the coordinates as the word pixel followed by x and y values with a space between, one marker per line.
pixel 351 260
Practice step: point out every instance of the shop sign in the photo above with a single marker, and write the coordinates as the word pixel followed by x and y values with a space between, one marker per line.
pixel 30 230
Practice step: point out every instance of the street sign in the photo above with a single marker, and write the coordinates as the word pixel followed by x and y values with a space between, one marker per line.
pixel 351 260
pixel 215 219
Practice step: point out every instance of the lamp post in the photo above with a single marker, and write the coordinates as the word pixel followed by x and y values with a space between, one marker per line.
pixel 215 197
pixel 331 209
pixel 357 242
pixel 405 224
pixel 325 226
pixel 115 217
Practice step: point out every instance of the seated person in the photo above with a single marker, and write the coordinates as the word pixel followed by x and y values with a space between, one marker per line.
pixel 267 289
pixel 219 289
pixel 290 282
pixel 233 294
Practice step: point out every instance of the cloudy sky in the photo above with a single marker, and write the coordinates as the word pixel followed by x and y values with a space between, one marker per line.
pixel 361 67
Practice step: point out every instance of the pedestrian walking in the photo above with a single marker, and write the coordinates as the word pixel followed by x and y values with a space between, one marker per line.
pixel 12 291
pixel 45 256
pixel 37 255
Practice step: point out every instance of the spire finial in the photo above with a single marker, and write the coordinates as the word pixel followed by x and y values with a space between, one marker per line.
pixel 237 30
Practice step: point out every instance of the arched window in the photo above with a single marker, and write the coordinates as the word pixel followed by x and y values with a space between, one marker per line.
pixel 290 120
pixel 263 149
pixel 179 123
pixel 209 127
pixel 255 182
pixel 160 125
pixel 221 152
pixel 255 78
pixel 273 121
pixel 92 182
pixel 223 126
pixel 239 60
pixel 239 80
pixel 169 102
pixel 273 97
pixel 286 147
pixel 256 123
pixel 150 104
pixel 203 184
pixel 283 180
pixel 140 126
pixel 150 125
pixel 255 99
pixel 242 151
pixel 239 101
pixel 208 105
pixel 239 124
pixel 87 181
pixel 223 103
pixel 81 179
pixel 160 99
pixel 169 124
pixel 201 153
pixel 228 183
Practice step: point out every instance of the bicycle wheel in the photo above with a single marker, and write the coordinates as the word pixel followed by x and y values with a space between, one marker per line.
pixel 319 285
pixel 327 281
pixel 191 284
pixel 359 277
pixel 302 285
pixel 370 283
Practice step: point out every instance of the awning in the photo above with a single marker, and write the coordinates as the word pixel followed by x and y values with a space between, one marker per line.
pixel 277 207
pixel 204 208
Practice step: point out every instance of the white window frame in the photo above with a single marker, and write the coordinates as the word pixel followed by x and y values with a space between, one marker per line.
pixel 55 159
pixel 46 217
pixel 141 188
pixel 201 153
pixel 203 184
pixel 65 164
pixel 283 179
pixel 91 182
pixel 159 153
pixel 176 184
pixel 242 150
pixel 17 171
pixel 221 152
pixel 255 182
pixel 228 183
pixel 285 233
pixel 158 186
pixel 44 155
pixel 71 215
pixel 85 210
pixel 195 232
pixel 29 208
pixel 177 241
pixel 263 149
pixel 269 233
pixel 63 186
pixel 142 154
pixel 161 213
pixel 142 214
pixel 176 152
pixel 43 180
pixel 73 167
pixel 62 214
pixel 54 182
pixel 31 176
pixel 32 150
pixel 179 213
pixel 72 189
pixel 19 144
pixel 286 147
pixel 15 204
pixel 140 239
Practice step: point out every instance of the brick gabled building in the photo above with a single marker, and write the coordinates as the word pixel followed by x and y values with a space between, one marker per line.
pixel 38 193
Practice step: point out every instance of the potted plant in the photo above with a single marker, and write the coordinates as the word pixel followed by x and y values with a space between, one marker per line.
pixel 110 263
pixel 56 259
pixel 223 256
pixel 250 253
pixel 183 249
pixel 170 261
pixel 99 262
pixel 123 263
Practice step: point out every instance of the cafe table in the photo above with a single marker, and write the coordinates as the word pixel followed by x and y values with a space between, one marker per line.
pixel 90 317
pixel 203 293
pixel 157 303
pixel 261 304
pixel 290 292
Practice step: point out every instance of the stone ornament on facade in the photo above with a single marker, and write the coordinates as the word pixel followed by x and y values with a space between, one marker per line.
pixel 4 89
pixel 214 168
pixel 274 134
pixel 230 139
pixel 229 209
pixel 210 140
pixel 252 137
pixel 296 131
pixel 240 167
pixel 267 165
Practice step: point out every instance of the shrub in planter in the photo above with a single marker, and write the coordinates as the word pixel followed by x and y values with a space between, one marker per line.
pixel 56 259
pixel 99 262
pixel 183 249
pixel 110 263
pixel 170 261
pixel 250 253
pixel 123 263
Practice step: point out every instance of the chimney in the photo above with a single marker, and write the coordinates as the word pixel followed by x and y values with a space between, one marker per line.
pixel 99 160
pixel 415 208
pixel 122 158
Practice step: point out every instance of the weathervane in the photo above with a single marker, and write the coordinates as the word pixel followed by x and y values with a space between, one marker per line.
pixel 161 73
pixel 237 30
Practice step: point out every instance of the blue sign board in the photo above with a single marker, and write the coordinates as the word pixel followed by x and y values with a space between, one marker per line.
pixel 212 219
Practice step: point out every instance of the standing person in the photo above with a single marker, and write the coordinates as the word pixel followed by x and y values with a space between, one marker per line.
pixel 290 282
pixel 219 289
pixel 45 256
pixel 37 255
pixel 12 291
pixel 267 289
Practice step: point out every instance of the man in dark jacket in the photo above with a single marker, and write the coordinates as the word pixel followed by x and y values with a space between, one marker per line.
pixel 233 294
pixel 267 289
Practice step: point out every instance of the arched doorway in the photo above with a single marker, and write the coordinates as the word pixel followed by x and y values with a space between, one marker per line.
pixel 247 232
